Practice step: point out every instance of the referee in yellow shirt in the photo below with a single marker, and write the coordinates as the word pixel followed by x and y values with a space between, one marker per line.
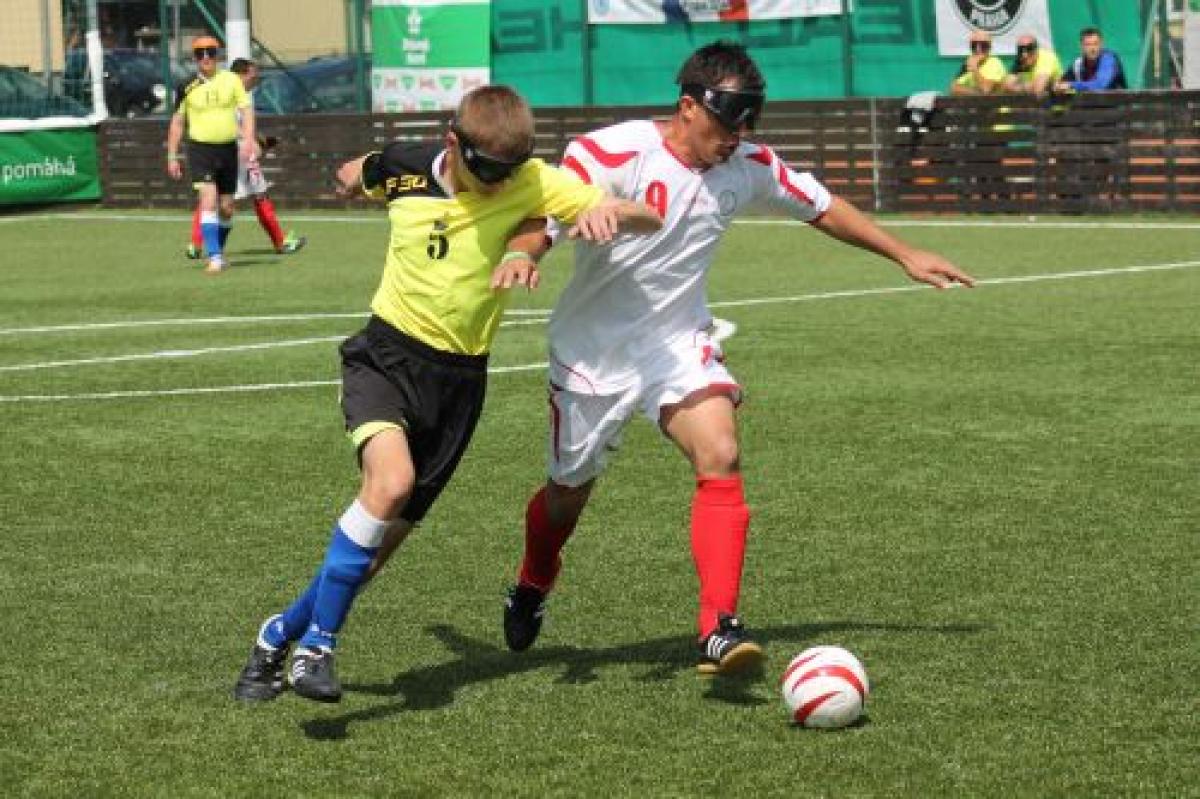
pixel 213 105
pixel 413 379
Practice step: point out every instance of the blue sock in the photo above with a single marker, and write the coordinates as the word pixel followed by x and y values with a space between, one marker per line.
pixel 223 229
pixel 211 233
pixel 292 623
pixel 342 573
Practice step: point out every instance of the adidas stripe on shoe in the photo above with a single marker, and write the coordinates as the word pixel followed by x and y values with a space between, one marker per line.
pixel 729 649
pixel 312 675
pixel 261 679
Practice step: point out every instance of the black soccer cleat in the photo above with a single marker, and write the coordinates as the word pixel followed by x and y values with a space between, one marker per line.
pixel 262 677
pixel 729 649
pixel 292 244
pixel 524 607
pixel 312 675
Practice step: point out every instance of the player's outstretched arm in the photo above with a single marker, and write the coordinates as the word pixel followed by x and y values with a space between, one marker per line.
pixel 603 221
pixel 250 150
pixel 845 222
pixel 519 265
pixel 348 178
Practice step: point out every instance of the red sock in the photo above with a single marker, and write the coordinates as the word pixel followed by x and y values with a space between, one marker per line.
pixel 197 237
pixel 720 521
pixel 265 210
pixel 543 543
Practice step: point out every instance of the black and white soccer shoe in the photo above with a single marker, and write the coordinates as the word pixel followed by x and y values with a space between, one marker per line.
pixel 312 675
pixel 729 649
pixel 262 677
pixel 524 607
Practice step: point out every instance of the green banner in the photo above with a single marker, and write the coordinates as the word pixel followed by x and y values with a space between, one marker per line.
pixel 428 53
pixel 39 166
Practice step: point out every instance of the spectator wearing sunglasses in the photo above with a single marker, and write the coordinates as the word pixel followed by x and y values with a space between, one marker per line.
pixel 981 72
pixel 216 111
pixel 1036 70
pixel 413 380
pixel 632 333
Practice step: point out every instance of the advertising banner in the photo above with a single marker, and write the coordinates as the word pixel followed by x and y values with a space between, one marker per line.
pixel 1005 20
pixel 38 166
pixel 1191 46
pixel 428 53
pixel 625 12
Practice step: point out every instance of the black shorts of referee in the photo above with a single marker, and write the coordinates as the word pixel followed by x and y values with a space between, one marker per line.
pixel 390 379
pixel 214 163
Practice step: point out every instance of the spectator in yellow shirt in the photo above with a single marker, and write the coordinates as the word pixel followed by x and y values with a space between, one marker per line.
pixel 1036 70
pixel 982 72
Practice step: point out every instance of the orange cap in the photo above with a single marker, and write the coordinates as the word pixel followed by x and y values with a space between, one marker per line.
pixel 205 41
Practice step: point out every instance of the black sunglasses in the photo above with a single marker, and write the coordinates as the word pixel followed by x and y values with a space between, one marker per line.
pixel 488 168
pixel 1026 49
pixel 982 46
pixel 206 52
pixel 734 110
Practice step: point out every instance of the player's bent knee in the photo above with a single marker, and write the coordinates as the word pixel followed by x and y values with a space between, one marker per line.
pixel 386 495
pixel 718 457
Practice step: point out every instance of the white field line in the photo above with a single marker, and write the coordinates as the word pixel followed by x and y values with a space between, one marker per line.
pixel 174 354
pixel 234 320
pixel 183 392
pixel 1088 273
pixel 168 354
pixel 1064 224
pixel 996 281
pixel 1056 224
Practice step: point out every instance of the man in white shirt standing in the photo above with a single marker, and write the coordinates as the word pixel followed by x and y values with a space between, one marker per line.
pixel 632 331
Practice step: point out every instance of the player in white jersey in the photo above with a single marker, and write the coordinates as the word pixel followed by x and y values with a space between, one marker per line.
pixel 632 331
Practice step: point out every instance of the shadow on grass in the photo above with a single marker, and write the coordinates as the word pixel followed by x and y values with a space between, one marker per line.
pixel 477 661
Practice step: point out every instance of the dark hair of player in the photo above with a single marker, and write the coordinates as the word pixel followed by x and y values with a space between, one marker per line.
pixel 715 63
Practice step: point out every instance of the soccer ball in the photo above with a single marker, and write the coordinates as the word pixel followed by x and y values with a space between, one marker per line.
pixel 825 687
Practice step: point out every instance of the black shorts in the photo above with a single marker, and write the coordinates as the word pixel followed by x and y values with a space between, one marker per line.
pixel 435 396
pixel 214 163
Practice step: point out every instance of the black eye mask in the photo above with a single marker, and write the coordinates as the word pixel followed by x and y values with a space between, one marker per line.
pixel 734 110
pixel 488 168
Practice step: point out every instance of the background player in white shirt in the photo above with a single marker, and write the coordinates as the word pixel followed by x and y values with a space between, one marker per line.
pixel 632 331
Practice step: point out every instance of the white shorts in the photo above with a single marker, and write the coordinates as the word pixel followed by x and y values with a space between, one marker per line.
pixel 585 428
pixel 251 181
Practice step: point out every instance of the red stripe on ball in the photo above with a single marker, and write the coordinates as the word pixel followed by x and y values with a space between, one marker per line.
pixel 805 710
pixel 792 668
pixel 833 671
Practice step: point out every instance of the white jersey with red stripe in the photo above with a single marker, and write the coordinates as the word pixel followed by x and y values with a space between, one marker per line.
pixel 628 301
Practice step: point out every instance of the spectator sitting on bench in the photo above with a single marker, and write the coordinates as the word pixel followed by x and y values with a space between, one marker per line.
pixel 1035 71
pixel 1097 68
pixel 982 72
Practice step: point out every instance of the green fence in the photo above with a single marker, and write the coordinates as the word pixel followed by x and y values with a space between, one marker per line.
pixel 545 48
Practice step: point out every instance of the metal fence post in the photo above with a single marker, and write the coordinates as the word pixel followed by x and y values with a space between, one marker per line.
pixel 875 154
